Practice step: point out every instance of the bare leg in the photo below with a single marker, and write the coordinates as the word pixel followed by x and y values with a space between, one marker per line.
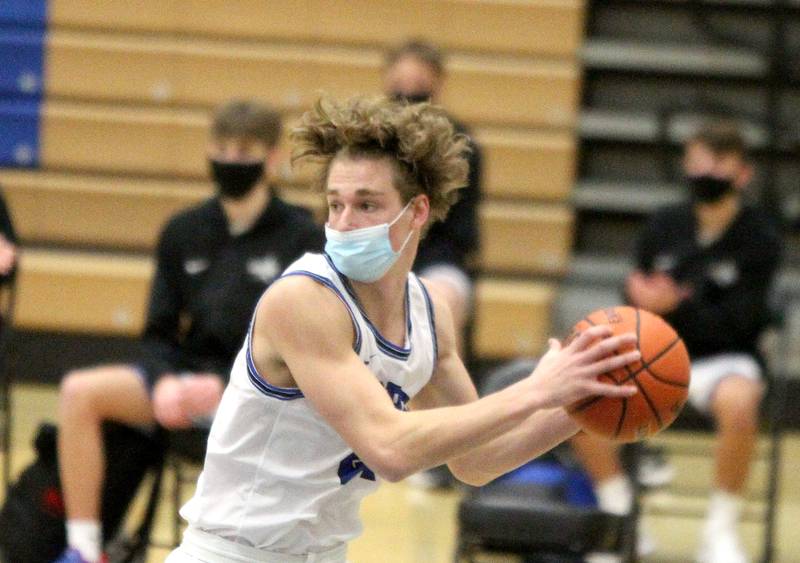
pixel 599 457
pixel 86 399
pixel 735 408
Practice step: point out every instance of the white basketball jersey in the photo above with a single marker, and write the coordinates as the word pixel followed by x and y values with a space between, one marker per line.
pixel 276 475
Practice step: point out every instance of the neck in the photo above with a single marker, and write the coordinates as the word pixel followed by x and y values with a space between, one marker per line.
pixel 714 218
pixel 243 213
pixel 383 300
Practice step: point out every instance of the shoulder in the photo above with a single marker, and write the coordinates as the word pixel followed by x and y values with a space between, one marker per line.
pixel 759 230
pixel 194 217
pixel 181 229
pixel 299 222
pixel 300 305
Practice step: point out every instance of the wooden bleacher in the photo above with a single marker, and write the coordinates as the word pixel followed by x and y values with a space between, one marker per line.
pixel 540 28
pixel 124 130
pixel 185 73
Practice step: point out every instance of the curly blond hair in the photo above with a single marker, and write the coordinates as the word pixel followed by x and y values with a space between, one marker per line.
pixel 427 155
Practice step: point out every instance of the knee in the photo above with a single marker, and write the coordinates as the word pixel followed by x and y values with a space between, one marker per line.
pixel 77 390
pixel 737 404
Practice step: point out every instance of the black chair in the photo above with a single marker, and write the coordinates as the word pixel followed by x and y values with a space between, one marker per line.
pixel 536 521
pixel 7 300
pixel 186 450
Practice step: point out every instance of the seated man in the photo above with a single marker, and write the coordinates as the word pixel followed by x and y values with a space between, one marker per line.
pixel 213 263
pixel 706 266
pixel 414 71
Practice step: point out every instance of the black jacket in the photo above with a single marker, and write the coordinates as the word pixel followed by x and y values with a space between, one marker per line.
pixel 207 283
pixel 730 278
pixel 453 240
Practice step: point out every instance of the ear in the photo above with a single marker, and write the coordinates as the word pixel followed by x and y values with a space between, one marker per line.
pixel 421 206
pixel 275 161
pixel 745 176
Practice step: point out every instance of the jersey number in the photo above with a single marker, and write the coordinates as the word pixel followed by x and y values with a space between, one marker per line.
pixel 352 466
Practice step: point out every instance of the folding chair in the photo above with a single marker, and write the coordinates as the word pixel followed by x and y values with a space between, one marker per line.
pixel 8 294
pixel 186 451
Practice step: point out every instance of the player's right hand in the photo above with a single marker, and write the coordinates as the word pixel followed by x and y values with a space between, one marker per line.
pixel 568 373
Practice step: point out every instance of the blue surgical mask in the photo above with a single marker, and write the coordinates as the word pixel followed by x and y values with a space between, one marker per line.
pixel 366 254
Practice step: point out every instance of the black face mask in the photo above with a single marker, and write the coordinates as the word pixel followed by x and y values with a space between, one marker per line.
pixel 234 180
pixel 708 189
pixel 413 98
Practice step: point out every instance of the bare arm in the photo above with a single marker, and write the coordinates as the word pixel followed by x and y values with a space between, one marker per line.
pixel 305 325
pixel 540 431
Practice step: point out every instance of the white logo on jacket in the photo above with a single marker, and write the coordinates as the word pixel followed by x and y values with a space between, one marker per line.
pixel 194 266
pixel 264 269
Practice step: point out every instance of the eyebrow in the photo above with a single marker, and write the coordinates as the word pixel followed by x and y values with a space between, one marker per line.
pixel 359 192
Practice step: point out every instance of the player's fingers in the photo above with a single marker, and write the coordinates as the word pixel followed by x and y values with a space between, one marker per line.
pixel 612 390
pixel 609 346
pixel 588 336
pixel 610 363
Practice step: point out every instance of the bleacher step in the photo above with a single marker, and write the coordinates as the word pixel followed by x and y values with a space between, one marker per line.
pixel 624 197
pixel 699 60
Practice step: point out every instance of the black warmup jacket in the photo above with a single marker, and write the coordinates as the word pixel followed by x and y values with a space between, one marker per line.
pixel 730 278
pixel 453 240
pixel 207 283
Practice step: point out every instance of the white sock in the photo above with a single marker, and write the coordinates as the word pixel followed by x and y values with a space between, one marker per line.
pixel 723 511
pixel 86 537
pixel 615 495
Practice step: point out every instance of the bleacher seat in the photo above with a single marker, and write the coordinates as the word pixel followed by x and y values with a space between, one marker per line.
pixel 533 27
pixel 82 292
pixel 525 238
pixel 118 212
pixel 194 72
pixel 512 317
pixel 527 165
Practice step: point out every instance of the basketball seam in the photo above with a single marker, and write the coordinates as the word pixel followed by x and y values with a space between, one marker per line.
pixel 621 420
pixel 647 363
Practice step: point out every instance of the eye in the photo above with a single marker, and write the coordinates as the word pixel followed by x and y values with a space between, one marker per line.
pixel 367 206
pixel 334 205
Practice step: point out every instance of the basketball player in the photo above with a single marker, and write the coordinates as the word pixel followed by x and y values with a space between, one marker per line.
pixel 349 372
pixel 214 262
pixel 706 265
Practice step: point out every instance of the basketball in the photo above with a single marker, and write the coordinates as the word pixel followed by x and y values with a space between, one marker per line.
pixel 661 376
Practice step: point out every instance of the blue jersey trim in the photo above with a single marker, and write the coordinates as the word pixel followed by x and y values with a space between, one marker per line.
pixel 330 285
pixel 384 345
pixel 258 381
pixel 431 321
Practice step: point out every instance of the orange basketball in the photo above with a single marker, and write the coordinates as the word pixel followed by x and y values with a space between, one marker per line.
pixel 662 377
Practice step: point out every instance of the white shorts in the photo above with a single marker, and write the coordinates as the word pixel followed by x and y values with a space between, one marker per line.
pixel 201 547
pixel 453 276
pixel 709 371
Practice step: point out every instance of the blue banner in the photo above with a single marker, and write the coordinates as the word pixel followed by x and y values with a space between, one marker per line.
pixel 21 63
pixel 19 133
pixel 27 13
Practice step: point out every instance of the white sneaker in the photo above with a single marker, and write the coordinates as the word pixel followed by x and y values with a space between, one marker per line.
pixel 723 547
